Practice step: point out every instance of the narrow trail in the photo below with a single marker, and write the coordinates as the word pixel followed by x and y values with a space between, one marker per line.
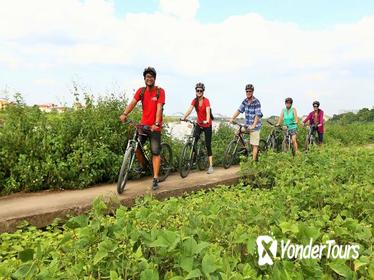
pixel 40 209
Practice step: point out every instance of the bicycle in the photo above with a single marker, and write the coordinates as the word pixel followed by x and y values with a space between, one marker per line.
pixel 311 137
pixel 274 139
pixel 128 159
pixel 287 141
pixel 193 153
pixel 238 147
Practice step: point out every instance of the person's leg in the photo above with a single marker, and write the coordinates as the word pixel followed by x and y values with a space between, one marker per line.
pixel 320 138
pixel 156 158
pixel 138 153
pixel 294 142
pixel 254 140
pixel 208 142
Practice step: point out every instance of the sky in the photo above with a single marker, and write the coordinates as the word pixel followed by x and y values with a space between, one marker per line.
pixel 307 50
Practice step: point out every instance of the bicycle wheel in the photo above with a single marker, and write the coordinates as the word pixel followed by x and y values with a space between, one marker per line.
pixel 185 160
pixel 202 157
pixel 230 155
pixel 166 161
pixel 262 147
pixel 125 169
pixel 285 145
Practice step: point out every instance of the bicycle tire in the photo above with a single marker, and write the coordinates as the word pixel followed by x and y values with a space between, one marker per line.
pixel 262 147
pixel 166 163
pixel 230 154
pixel 202 157
pixel 185 161
pixel 125 169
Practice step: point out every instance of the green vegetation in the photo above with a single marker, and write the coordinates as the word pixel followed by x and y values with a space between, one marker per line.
pixel 364 115
pixel 83 147
pixel 323 194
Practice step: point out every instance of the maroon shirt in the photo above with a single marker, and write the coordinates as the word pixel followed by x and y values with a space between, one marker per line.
pixel 311 120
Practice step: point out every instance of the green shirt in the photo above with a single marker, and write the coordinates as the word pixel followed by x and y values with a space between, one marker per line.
pixel 289 118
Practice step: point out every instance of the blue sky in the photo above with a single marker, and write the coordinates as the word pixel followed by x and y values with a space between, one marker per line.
pixel 309 14
pixel 304 49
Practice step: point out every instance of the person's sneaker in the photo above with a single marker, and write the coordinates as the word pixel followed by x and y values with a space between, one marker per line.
pixel 140 170
pixel 155 184
pixel 210 170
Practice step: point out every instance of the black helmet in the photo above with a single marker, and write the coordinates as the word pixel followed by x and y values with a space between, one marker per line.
pixel 200 85
pixel 316 103
pixel 149 70
pixel 288 99
pixel 249 87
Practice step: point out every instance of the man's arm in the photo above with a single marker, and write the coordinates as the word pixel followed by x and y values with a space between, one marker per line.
pixel 128 110
pixel 258 116
pixel 236 114
pixel 159 112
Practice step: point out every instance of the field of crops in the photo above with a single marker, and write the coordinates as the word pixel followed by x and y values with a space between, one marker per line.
pixel 324 194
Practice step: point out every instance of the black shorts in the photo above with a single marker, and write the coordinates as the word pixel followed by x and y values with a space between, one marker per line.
pixel 155 140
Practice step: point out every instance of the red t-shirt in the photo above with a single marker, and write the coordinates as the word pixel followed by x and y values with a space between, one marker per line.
pixel 201 112
pixel 149 105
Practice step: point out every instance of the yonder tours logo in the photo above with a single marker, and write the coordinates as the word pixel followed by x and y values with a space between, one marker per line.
pixel 267 248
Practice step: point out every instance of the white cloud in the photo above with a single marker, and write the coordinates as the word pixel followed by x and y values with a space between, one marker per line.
pixel 180 8
pixel 44 34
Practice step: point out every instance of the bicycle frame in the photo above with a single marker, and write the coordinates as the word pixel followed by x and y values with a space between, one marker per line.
pixel 192 139
pixel 135 143
pixel 239 136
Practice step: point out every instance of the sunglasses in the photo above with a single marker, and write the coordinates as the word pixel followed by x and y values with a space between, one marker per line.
pixel 199 90
pixel 315 106
pixel 249 91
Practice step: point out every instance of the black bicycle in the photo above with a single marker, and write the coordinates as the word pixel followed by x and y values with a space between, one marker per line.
pixel 193 153
pixel 274 139
pixel 311 137
pixel 287 141
pixel 238 147
pixel 128 159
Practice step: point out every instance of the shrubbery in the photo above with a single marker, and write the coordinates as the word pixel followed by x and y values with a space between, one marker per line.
pixel 320 195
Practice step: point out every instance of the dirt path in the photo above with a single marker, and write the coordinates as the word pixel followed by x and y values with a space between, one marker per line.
pixel 40 209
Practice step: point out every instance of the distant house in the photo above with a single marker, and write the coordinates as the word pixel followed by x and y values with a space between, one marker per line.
pixel 50 107
pixel 3 103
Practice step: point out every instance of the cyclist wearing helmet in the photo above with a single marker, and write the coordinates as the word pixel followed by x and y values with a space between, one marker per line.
pixel 153 100
pixel 289 119
pixel 251 106
pixel 316 118
pixel 202 106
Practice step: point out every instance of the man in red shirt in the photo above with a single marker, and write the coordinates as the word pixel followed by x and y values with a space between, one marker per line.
pixel 153 100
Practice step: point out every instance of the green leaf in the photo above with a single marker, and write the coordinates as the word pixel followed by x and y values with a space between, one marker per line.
pixel 289 227
pixel 26 255
pixel 186 263
pixel 166 239
pixel 77 222
pixel 196 273
pixel 363 261
pixel 339 267
pixel 149 274
pixel 201 246
pixel 209 264
pixel 189 247
pixel 101 254
pixel 114 275
pixel 25 270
